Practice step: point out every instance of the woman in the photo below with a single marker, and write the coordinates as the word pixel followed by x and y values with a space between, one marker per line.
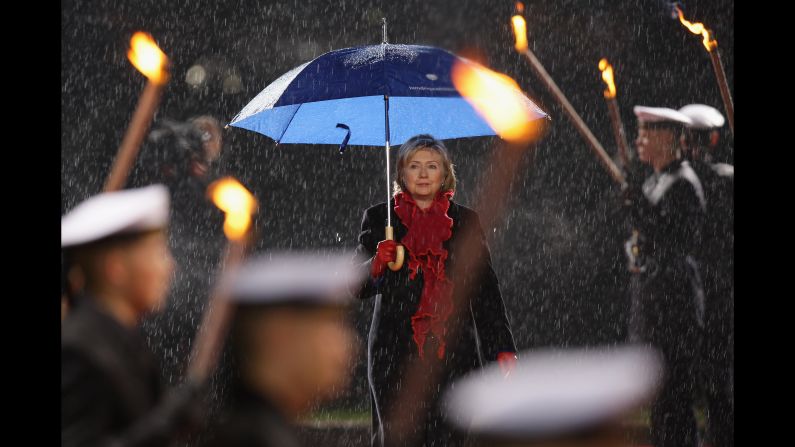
pixel 414 305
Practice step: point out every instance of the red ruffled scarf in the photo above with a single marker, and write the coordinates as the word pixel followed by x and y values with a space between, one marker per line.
pixel 427 231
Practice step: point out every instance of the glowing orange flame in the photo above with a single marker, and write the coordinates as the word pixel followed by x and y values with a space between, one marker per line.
pixel 698 28
pixel 519 7
pixel 607 76
pixel 148 58
pixel 519 32
pixel 238 204
pixel 498 99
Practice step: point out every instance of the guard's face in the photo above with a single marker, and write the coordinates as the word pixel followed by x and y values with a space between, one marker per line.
pixel 330 349
pixel 652 144
pixel 149 267
pixel 423 174
pixel 311 350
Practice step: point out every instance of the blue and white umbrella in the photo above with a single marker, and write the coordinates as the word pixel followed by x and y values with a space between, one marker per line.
pixel 368 96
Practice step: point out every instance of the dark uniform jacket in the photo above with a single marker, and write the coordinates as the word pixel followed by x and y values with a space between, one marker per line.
pixel 485 327
pixel 673 215
pixel 109 380
pixel 671 220
pixel 252 421
pixel 717 252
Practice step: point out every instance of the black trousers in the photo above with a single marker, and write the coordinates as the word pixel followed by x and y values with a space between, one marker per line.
pixel 717 359
pixel 667 306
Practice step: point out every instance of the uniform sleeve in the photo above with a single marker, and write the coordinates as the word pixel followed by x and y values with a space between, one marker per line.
pixel 88 410
pixel 488 307
pixel 86 407
pixel 682 220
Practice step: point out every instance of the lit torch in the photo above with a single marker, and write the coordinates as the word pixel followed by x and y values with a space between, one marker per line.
pixel 147 57
pixel 712 49
pixel 612 107
pixel 519 29
pixel 239 205
pixel 499 100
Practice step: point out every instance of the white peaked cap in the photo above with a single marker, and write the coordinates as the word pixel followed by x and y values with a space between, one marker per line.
pixel 661 115
pixel 703 116
pixel 119 212
pixel 307 277
pixel 554 392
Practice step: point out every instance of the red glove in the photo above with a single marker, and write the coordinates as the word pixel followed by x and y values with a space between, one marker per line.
pixel 507 361
pixel 385 253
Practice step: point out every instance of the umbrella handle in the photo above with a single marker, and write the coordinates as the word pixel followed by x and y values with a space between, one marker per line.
pixel 399 255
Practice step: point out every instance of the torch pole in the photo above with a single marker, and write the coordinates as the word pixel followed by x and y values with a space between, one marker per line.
pixel 618 130
pixel 720 74
pixel 130 145
pixel 217 315
pixel 579 124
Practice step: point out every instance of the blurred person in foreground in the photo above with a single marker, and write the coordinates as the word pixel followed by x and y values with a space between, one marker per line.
pixel 556 398
pixel 110 389
pixel 292 346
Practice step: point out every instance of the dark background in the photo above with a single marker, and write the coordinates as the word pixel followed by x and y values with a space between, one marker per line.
pixel 558 253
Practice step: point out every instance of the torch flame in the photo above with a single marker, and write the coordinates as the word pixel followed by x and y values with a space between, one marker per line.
pixel 519 32
pixel 607 76
pixel 498 99
pixel 698 28
pixel 148 58
pixel 238 204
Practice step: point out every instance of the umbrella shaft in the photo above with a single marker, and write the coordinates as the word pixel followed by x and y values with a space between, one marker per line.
pixel 388 198
pixel 386 147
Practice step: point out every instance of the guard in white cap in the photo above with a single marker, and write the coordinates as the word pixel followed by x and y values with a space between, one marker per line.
pixel 668 213
pixel 702 135
pixel 110 390
pixel 573 398
pixel 291 343
pixel 699 143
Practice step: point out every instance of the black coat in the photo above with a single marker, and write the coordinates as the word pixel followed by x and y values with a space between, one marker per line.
pixel 109 380
pixel 485 327
pixel 252 421
pixel 673 215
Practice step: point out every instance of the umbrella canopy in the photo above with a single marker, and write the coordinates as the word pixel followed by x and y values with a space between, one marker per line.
pixel 351 86
pixel 369 96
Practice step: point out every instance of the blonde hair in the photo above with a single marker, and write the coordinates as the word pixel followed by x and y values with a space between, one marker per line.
pixel 416 144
